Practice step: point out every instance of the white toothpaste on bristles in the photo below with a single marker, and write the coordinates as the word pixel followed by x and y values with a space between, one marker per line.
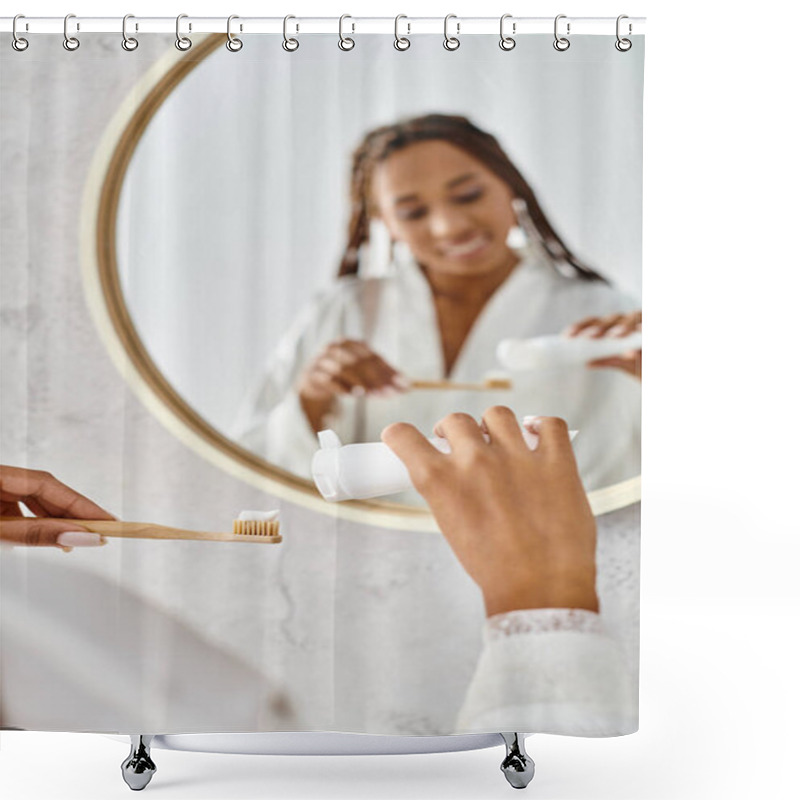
pixel 257 516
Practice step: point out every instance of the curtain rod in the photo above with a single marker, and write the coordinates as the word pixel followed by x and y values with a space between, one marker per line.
pixel 462 26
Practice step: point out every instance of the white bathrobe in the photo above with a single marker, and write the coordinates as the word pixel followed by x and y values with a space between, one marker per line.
pixel 550 671
pixel 396 317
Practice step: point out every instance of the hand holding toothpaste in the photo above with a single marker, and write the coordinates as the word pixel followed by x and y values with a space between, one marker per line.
pixel 614 326
pixel 370 469
pixel 517 519
pixel 612 341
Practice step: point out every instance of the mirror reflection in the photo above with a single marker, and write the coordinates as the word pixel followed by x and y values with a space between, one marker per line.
pixel 399 271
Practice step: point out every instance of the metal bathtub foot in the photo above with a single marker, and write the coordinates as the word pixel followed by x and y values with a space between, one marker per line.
pixel 517 766
pixel 138 768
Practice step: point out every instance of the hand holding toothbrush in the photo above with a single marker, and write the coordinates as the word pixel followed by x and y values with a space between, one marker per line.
pixel 518 520
pixel 345 366
pixel 45 496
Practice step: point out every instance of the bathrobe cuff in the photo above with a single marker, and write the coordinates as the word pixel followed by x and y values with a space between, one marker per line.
pixel 550 671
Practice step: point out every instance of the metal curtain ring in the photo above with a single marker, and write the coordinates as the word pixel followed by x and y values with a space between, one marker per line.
pixel 451 42
pixel 70 42
pixel 401 42
pixel 234 44
pixel 623 45
pixel 345 42
pixel 561 43
pixel 129 43
pixel 17 42
pixel 181 42
pixel 507 42
pixel 289 45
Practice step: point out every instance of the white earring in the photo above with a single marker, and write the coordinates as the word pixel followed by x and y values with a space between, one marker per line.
pixel 522 235
pixel 532 242
pixel 401 254
pixel 516 238
pixel 375 256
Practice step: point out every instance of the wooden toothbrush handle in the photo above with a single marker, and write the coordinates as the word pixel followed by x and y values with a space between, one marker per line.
pixel 138 530
pixel 445 385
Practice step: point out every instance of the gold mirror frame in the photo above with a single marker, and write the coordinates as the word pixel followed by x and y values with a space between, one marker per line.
pixel 107 305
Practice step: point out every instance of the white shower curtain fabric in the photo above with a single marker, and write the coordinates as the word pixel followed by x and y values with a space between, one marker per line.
pixel 231 220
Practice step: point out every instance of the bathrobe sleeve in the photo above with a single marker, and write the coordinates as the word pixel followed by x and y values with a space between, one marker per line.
pixel 550 671
pixel 271 422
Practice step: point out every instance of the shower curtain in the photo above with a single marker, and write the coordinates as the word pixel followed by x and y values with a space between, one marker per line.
pixel 210 254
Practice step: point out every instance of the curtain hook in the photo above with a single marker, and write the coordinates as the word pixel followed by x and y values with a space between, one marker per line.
pixel 129 43
pixel 507 42
pixel 401 42
pixel 181 42
pixel 70 43
pixel 451 42
pixel 234 43
pixel 289 45
pixel 345 42
pixel 623 45
pixel 561 43
pixel 17 42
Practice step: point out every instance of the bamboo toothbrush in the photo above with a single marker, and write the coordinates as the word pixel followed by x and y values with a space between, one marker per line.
pixel 488 384
pixel 251 526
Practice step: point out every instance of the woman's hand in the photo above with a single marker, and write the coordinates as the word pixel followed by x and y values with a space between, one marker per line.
pixel 46 497
pixel 518 520
pixel 345 366
pixel 615 326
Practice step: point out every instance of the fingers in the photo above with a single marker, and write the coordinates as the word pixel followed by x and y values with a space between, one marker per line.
pixel 502 425
pixel 553 434
pixel 630 323
pixel 319 383
pixel 37 508
pixel 598 327
pixel 376 375
pixel 372 373
pixel 413 449
pixel 614 325
pixel 43 493
pixel 584 327
pixel 630 362
pixel 461 431
pixel 503 429
pixel 34 532
pixel 340 377
pixel 352 367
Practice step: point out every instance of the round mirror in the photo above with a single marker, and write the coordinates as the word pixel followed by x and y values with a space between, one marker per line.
pixel 279 243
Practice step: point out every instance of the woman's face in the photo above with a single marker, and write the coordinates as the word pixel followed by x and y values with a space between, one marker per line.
pixel 451 210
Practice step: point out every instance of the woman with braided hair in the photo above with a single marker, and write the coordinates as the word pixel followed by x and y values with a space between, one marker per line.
pixel 449 197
